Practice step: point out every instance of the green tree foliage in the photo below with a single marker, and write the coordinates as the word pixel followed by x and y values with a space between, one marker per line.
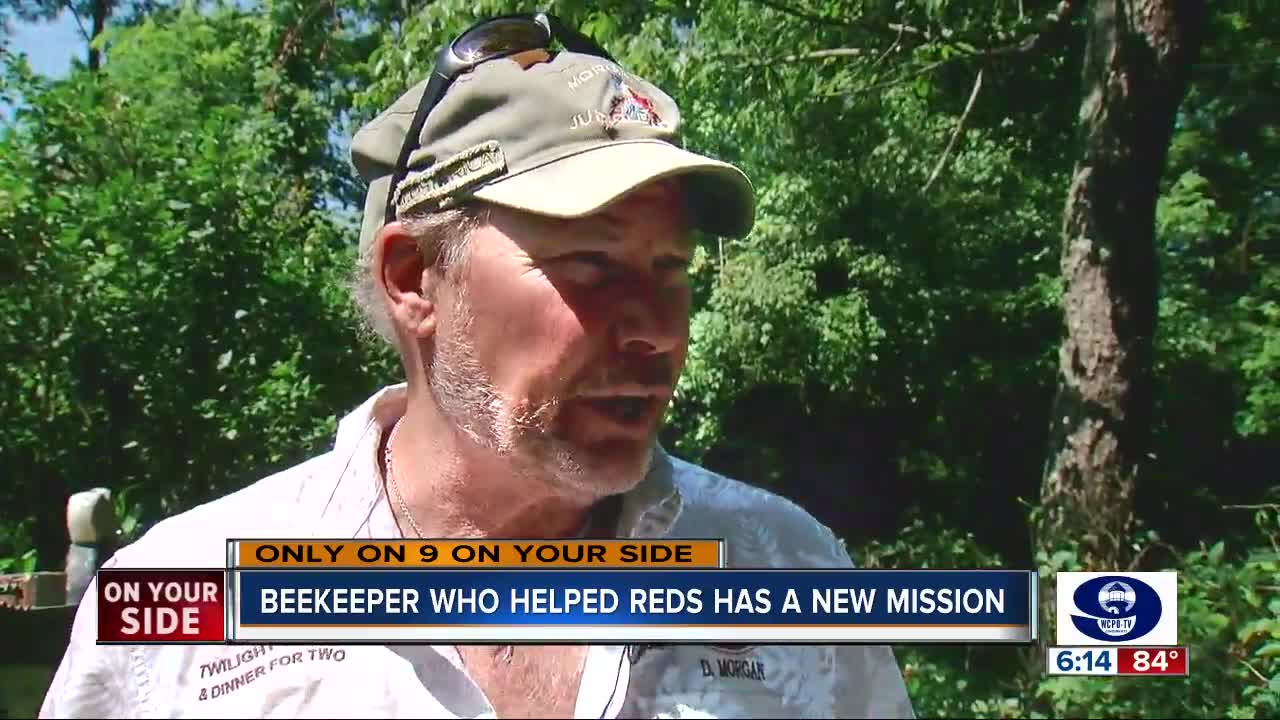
pixel 1218 420
pixel 90 18
pixel 175 324
pixel 1228 614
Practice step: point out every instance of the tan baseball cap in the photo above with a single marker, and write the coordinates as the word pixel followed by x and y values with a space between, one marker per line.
pixel 563 138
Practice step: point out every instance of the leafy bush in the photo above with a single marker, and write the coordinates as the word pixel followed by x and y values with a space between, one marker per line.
pixel 174 321
pixel 1228 616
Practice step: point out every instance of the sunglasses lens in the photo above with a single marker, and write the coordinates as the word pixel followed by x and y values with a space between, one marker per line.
pixel 500 37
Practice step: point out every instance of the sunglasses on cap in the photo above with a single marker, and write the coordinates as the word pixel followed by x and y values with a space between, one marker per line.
pixel 489 39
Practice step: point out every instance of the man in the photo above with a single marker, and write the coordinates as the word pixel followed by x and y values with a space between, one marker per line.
pixel 525 241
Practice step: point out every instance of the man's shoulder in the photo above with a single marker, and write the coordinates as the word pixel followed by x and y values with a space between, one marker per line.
pixel 760 528
pixel 277 505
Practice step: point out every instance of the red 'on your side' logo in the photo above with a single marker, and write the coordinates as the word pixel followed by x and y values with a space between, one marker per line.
pixel 140 606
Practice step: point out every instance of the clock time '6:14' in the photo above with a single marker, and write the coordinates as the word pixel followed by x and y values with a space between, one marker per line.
pixel 1084 660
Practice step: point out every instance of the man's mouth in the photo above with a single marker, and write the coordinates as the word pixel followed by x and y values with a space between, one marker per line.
pixel 629 411
pixel 628 408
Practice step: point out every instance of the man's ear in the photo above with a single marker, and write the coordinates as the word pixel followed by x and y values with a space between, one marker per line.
pixel 406 281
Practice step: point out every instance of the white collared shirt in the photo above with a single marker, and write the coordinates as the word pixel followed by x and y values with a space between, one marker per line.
pixel 338 495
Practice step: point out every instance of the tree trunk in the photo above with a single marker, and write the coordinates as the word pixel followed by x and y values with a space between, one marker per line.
pixel 101 9
pixel 49 534
pixel 1137 62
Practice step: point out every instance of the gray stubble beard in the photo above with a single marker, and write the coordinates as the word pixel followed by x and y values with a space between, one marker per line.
pixel 467 397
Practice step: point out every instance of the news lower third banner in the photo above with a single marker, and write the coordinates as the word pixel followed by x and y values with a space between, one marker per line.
pixel 564 591
pixel 627 606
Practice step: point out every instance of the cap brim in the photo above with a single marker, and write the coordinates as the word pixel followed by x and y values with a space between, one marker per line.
pixel 720 197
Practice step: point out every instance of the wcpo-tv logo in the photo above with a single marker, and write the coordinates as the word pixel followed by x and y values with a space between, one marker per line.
pixel 1117 608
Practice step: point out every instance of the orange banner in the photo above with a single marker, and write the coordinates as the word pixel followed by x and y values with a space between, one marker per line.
pixel 479 553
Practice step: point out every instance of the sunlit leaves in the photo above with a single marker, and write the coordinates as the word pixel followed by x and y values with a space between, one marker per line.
pixel 154 207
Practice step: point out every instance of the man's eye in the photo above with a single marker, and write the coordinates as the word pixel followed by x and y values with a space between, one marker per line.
pixel 598 268
pixel 585 268
pixel 593 259
pixel 673 263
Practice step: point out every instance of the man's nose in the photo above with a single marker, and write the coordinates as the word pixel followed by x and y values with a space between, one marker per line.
pixel 646 325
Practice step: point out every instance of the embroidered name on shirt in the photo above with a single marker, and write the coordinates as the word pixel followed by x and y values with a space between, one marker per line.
pixel 734 668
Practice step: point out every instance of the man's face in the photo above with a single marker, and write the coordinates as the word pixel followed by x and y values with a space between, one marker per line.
pixel 560 343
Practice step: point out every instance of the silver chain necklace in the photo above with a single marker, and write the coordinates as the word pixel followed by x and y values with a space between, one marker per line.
pixel 404 507
pixel 395 484
pixel 504 652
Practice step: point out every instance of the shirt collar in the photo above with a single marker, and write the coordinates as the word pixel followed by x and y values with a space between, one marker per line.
pixel 648 510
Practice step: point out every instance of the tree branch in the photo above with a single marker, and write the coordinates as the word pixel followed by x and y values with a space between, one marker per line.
pixel 1037 40
pixel 1260 506
pixel 803 15
pixel 290 40
pixel 1061 16
pixel 811 55
pixel 955 135
pixel 85 33
pixel 900 28
pixel 839 22
pixel 896 43
pixel 832 52
pixel 1137 561
pixel 895 81
pixel 1255 672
